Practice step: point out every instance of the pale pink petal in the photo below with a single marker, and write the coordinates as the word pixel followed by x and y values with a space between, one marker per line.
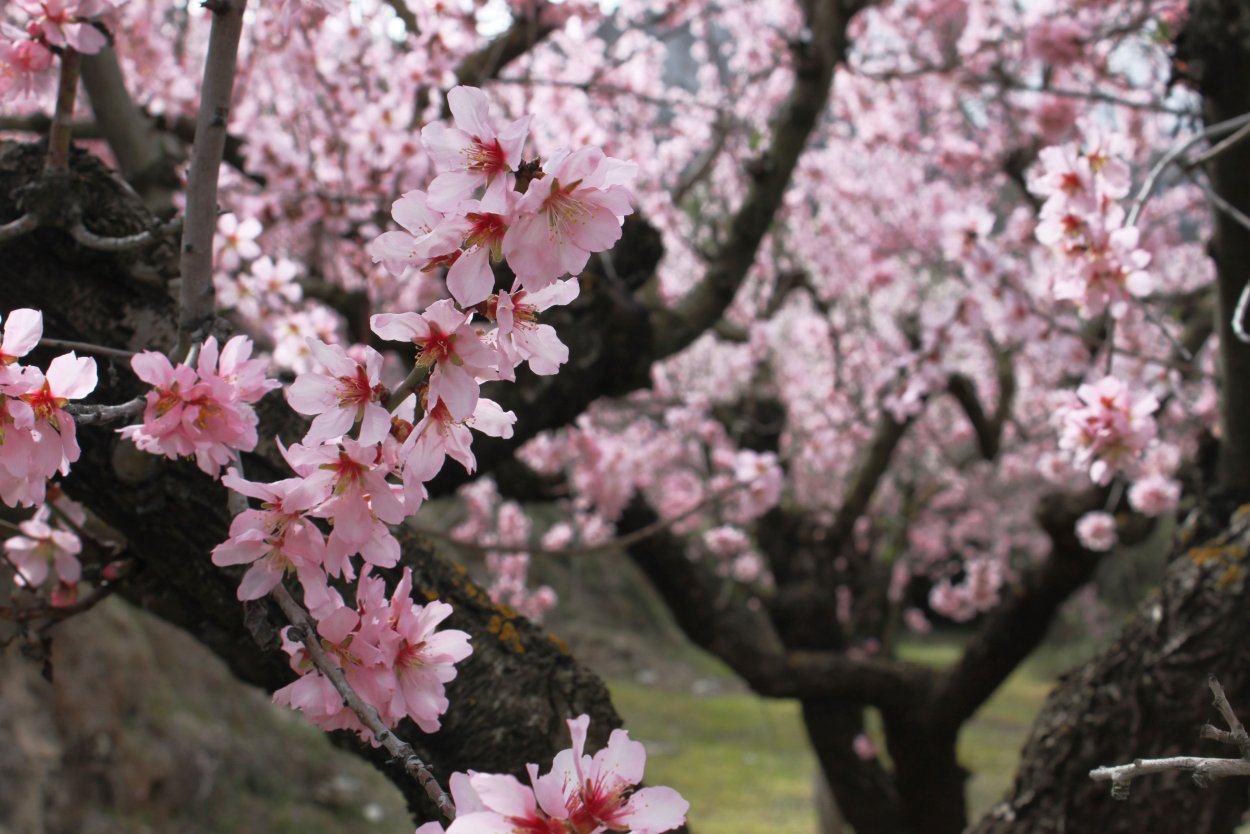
pixel 470 279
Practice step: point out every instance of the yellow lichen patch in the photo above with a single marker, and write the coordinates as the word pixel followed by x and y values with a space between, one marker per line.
pixel 560 644
pixel 1222 553
pixel 1230 577
pixel 506 632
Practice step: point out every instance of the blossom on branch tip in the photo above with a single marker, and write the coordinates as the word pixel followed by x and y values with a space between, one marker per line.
pixel 473 154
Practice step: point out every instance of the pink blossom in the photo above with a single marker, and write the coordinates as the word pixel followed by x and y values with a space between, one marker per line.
pixel 25 64
pixel 349 393
pixel 427 243
pixel 22 331
pixel 1108 429
pixel 358 500
pixel 576 209
pixel 472 154
pixel 41 546
pixel 66 22
pixel 1154 494
pixel 1096 531
pixel 236 241
pixel 447 343
pixel 274 539
pixel 600 793
pixel 864 747
pixel 206 412
pixel 520 337
pixel 423 659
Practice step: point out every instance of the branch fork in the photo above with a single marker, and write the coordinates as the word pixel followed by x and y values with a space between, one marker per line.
pixel 1204 770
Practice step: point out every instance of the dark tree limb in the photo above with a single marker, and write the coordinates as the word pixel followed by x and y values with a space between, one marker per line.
pixel 988 430
pixel 1014 629
pixel 673 328
pixel 714 614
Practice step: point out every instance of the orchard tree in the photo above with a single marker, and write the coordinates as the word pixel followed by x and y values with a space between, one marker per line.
pixel 836 316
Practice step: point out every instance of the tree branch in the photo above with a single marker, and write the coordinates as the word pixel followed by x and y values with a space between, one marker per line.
pixel 1019 624
pixel 714 614
pixel 196 298
pixel 673 328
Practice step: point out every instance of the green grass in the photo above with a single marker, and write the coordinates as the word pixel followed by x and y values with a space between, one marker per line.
pixel 744 764
pixel 741 761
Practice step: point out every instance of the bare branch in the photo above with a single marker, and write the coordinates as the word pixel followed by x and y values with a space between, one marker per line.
pixel 673 328
pixel 197 296
pixel 1143 194
pixel 1204 769
pixel 87 414
pixel 62 118
pixel 87 347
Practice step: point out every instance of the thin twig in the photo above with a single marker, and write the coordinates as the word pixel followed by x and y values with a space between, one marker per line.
pixel 24 614
pixel 87 347
pixel 415 377
pixel 1215 150
pixel 305 630
pixel 1204 769
pixel 1239 314
pixel 1175 153
pixel 63 117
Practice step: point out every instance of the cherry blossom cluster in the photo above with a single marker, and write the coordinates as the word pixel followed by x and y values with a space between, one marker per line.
pixel 545 223
pixel 37 435
pixel 364 461
pixel 205 411
pixel 1108 430
pixel 495 523
pixel 45 544
pixel 1099 263
pixel 389 652
pixel 27 50
pixel 580 794
pixel 37 441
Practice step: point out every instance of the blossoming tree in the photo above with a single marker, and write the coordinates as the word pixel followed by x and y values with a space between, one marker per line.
pixel 836 316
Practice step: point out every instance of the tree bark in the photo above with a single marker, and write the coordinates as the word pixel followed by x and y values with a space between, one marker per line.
pixel 1145 697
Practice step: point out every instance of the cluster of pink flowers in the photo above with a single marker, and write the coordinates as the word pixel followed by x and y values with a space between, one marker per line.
pixel 37 435
pixel 363 464
pixel 571 209
pixel 1100 266
pixel 581 794
pixel 205 411
pixel 1106 427
pixel 389 652
pixel 26 51
pixel 977 593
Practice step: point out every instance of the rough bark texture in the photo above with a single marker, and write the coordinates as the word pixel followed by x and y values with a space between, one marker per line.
pixel 1145 697
pixel 1215 51
pixel 511 697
